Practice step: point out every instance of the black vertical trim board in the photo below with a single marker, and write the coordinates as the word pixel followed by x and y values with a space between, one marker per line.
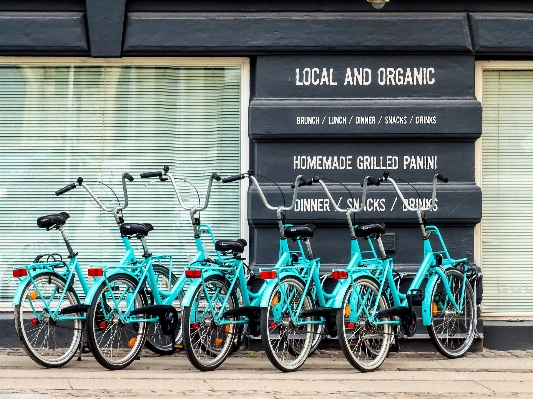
pixel 105 20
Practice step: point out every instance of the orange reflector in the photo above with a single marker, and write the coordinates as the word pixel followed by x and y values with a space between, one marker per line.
pixel 95 272
pixel 268 275
pixel 218 341
pixel 103 325
pixel 273 325
pixel 178 346
pixel 275 300
pixel 20 272
pixel 347 311
pixel 33 295
pixel 131 342
pixel 339 275
pixel 34 321
pixel 193 273
pixel 350 326
pixel 227 328
pixel 434 308
pixel 194 326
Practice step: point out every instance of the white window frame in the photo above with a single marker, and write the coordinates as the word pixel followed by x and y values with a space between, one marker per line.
pixel 480 67
pixel 243 63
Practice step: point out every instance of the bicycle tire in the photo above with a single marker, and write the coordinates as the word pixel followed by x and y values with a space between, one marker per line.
pixel 156 341
pixel 125 341
pixel 206 344
pixel 444 317
pixel 296 341
pixel 364 345
pixel 32 325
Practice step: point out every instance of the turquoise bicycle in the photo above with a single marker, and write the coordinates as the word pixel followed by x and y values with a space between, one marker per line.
pixel 365 320
pixel 223 299
pixel 48 315
pixel 301 307
pixel 125 303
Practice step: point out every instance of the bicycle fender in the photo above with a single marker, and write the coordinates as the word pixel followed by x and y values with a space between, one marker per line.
pixel 268 288
pixel 337 303
pixel 17 297
pixel 426 303
pixel 187 298
pixel 339 297
pixel 96 283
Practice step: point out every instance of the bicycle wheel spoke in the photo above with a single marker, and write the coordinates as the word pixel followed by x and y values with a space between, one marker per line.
pixel 51 343
pixel 451 331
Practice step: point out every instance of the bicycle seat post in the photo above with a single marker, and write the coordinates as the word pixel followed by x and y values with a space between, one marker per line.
pixel 71 253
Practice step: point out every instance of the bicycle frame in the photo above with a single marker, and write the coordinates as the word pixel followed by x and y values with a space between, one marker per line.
pixel 357 266
pixel 73 268
pixel 145 271
pixel 233 269
pixel 431 267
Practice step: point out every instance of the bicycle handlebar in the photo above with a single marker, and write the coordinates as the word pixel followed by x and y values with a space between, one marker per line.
pixel 79 182
pixel 233 178
pixel 193 209
pixel 151 174
pixel 304 181
pixel 436 177
pixel 300 181
pixel 369 180
pixel 441 178
pixel 63 190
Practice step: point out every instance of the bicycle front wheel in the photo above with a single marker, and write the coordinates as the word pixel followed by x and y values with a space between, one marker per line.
pixel 287 344
pixel 450 331
pixel 48 342
pixel 364 343
pixel 207 343
pixel 156 341
pixel 115 344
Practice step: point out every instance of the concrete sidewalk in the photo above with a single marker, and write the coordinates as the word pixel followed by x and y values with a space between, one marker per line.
pixel 328 374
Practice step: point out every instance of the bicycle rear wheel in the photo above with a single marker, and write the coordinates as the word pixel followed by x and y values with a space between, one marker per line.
pixel 450 331
pixel 115 344
pixel 156 341
pixel 286 344
pixel 49 343
pixel 207 343
pixel 364 344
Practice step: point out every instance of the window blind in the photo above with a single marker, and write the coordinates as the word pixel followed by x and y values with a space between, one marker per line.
pixel 507 183
pixel 61 122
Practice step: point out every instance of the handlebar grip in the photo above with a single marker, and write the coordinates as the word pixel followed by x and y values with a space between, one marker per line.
pixel 370 181
pixel 128 176
pixel 151 174
pixel 63 190
pixel 304 181
pixel 442 178
pixel 233 178
pixel 373 181
pixel 216 177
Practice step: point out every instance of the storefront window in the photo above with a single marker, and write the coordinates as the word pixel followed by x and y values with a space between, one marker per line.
pixel 58 122
pixel 507 184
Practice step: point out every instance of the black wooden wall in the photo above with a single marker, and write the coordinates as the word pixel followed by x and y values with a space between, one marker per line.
pixel 407 104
